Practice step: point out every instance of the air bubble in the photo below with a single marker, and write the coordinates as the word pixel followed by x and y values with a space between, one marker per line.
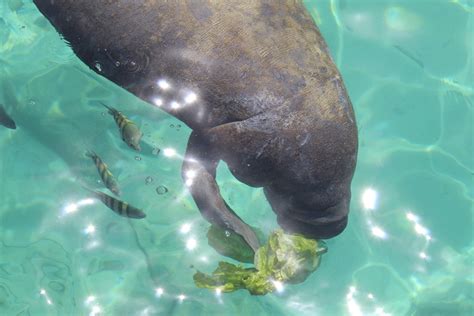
pixel 148 180
pixel 138 158
pixel 227 233
pixel 172 125
pixel 117 63
pixel 98 66
pixel 161 189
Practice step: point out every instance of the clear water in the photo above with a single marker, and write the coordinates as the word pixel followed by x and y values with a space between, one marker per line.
pixel 408 250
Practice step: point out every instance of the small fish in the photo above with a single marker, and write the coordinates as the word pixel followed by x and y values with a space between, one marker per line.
pixel 410 55
pixel 5 119
pixel 120 207
pixel 129 131
pixel 107 177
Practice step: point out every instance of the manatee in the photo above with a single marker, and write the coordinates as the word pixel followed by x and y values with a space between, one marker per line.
pixel 255 82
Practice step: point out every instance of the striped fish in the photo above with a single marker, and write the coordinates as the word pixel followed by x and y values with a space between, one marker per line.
pixel 129 131
pixel 120 207
pixel 107 177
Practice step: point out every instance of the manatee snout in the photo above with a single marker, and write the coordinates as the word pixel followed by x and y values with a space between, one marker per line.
pixel 313 220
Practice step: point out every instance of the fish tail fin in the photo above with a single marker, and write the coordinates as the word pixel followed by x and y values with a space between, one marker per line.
pixel 90 153
pixel 109 108
pixel 88 189
pixel 97 194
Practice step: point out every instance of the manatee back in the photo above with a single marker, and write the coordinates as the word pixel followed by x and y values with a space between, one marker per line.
pixel 241 57
pixel 267 89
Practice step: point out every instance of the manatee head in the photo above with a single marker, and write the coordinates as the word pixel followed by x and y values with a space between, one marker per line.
pixel 311 217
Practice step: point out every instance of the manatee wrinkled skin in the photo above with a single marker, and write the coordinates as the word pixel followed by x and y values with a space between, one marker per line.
pixel 271 103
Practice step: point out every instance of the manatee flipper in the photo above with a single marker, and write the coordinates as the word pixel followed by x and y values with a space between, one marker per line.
pixel 199 174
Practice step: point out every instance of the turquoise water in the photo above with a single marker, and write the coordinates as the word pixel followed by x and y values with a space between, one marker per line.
pixel 408 248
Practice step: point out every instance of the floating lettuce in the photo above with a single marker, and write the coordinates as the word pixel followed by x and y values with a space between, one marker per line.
pixel 284 258
pixel 232 245
pixel 229 278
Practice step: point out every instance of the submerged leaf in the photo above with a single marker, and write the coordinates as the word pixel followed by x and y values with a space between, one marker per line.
pixel 285 258
pixel 288 258
pixel 227 277
pixel 230 244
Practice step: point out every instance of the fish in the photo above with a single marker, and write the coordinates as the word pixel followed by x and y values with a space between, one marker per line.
pixel 129 131
pixel 5 119
pixel 107 177
pixel 120 207
pixel 410 55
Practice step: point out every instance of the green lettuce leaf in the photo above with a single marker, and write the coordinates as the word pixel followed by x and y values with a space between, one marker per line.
pixel 229 277
pixel 285 258
pixel 232 245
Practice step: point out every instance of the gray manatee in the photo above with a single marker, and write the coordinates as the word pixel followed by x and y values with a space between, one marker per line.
pixel 255 82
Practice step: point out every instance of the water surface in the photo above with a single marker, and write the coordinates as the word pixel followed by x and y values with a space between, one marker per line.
pixel 407 250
